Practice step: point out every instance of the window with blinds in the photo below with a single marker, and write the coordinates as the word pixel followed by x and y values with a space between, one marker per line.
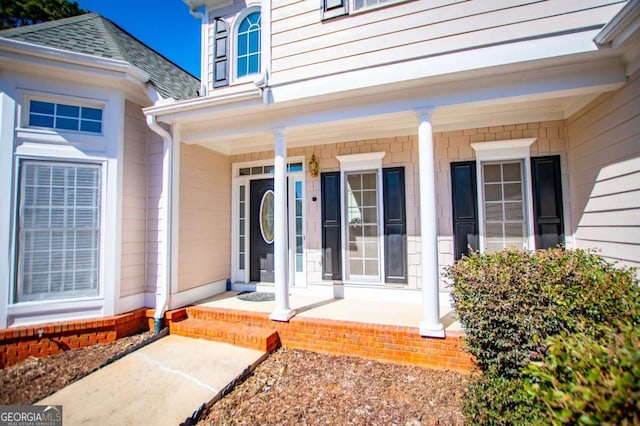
pixel 58 230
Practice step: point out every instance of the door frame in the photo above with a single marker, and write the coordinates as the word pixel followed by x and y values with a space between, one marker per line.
pixel 242 276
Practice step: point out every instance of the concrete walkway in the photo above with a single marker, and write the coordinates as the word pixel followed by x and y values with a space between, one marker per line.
pixel 161 384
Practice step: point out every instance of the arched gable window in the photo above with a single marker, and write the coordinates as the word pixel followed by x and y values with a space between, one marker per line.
pixel 248 44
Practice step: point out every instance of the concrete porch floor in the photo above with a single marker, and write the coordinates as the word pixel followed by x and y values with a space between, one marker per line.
pixel 364 311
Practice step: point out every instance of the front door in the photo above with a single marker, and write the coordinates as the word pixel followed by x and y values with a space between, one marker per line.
pixel 261 230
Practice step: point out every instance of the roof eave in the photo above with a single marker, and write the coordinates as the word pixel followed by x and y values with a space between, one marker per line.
pixel 166 107
pixel 81 59
pixel 209 4
pixel 623 26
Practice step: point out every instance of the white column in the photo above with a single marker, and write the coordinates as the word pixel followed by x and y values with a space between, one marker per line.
pixel 282 311
pixel 430 326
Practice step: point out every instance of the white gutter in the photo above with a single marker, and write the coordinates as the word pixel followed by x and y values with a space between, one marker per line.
pixel 164 246
pixel 249 94
pixel 623 25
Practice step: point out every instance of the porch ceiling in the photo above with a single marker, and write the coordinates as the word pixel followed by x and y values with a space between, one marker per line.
pixel 465 116
pixel 468 101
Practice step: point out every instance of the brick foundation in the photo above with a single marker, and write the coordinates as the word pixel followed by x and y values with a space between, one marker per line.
pixel 17 344
pixel 390 343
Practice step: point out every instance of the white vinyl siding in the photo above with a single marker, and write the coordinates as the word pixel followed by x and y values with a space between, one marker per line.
pixel 304 47
pixel 59 230
pixel 135 163
pixel 604 154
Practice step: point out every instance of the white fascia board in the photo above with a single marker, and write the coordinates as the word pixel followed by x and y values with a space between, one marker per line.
pixel 44 55
pixel 433 66
pixel 208 4
pixel 500 89
pixel 624 25
pixel 169 112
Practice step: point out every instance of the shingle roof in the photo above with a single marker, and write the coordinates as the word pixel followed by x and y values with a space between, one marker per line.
pixel 94 35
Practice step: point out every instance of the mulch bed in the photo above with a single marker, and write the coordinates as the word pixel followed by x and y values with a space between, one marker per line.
pixel 291 387
pixel 294 387
pixel 35 378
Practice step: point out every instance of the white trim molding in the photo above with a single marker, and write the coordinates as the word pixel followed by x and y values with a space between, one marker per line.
pixel 7 125
pixel 364 161
pixel 503 150
pixel 512 149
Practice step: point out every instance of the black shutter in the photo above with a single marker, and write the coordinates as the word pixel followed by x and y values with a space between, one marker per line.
pixel 395 225
pixel 221 54
pixel 333 8
pixel 331 226
pixel 547 201
pixel 465 207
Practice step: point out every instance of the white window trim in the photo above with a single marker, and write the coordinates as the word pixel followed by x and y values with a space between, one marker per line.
pixel 70 295
pixel 233 41
pixel 358 162
pixel 65 101
pixel 103 235
pixel 354 11
pixel 29 312
pixel 43 136
pixel 506 150
pixel 369 161
pixel 297 279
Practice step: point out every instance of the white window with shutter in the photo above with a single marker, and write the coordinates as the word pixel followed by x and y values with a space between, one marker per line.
pixel 58 230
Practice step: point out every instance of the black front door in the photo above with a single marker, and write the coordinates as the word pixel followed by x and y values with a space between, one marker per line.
pixel 261 229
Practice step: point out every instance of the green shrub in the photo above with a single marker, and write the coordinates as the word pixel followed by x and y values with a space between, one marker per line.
pixel 494 400
pixel 510 302
pixel 587 380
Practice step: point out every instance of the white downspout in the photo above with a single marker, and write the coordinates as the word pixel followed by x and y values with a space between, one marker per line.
pixel 164 247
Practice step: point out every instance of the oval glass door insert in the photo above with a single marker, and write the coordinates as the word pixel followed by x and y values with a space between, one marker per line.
pixel 266 216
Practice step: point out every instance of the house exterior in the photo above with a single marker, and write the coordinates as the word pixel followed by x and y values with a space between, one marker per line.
pixel 355 149
pixel 79 165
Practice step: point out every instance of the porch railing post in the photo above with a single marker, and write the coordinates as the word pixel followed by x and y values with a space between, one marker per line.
pixel 430 325
pixel 282 310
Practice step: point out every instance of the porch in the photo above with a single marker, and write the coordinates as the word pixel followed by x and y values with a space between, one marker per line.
pixel 380 191
pixel 368 329
pixel 334 309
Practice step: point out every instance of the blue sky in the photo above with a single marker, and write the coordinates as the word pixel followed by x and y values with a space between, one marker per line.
pixel 164 25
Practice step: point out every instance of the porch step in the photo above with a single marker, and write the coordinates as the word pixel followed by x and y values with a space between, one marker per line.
pixel 383 342
pixel 265 340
